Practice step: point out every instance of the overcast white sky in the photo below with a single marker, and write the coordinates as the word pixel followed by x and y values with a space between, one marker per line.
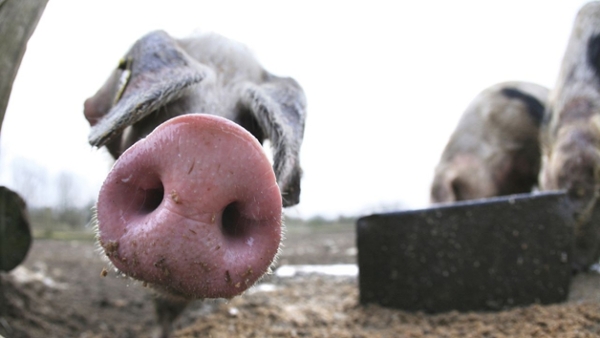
pixel 386 83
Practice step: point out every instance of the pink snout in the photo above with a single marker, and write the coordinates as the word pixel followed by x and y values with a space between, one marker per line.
pixel 194 209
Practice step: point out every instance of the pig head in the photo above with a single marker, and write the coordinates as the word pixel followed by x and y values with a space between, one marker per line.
pixel 571 136
pixel 161 77
pixel 185 119
pixel 494 149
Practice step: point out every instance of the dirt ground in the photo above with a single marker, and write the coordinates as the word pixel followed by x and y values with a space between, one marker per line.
pixel 58 292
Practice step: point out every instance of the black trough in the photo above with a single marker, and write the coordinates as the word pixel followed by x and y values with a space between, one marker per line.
pixel 488 254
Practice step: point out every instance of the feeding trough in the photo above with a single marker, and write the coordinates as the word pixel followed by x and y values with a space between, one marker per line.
pixel 486 254
pixel 15 235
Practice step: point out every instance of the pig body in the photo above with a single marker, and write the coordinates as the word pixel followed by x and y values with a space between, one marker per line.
pixel 192 206
pixel 571 137
pixel 494 150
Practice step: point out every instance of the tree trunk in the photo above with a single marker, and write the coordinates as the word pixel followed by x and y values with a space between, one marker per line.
pixel 18 19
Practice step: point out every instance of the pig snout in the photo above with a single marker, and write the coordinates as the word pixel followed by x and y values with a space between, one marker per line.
pixel 193 209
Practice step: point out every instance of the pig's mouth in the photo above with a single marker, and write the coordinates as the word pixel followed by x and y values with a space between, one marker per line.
pixel 193 209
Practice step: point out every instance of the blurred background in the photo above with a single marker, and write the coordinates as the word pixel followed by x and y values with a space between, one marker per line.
pixel 385 82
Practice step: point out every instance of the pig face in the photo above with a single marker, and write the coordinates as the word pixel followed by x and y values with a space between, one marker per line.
pixel 193 205
pixel 464 177
pixel 571 137
pixel 495 148
pixel 160 78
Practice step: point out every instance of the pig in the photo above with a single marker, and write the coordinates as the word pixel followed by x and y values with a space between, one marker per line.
pixel 495 148
pixel 192 206
pixel 571 135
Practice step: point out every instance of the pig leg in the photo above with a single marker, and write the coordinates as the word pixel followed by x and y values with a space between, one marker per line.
pixel 168 308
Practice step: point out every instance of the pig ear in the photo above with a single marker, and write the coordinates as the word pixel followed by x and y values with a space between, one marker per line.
pixel 154 72
pixel 279 107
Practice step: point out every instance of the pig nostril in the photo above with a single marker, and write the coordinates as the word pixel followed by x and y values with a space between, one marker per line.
pixel 232 222
pixel 152 199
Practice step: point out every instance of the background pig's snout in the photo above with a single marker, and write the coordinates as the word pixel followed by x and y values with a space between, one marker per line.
pixel 194 208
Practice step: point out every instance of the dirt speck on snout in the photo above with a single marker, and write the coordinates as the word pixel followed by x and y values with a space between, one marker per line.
pixel 69 298
pixel 175 197
pixel 111 248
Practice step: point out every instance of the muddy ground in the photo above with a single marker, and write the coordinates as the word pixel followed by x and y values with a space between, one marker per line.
pixel 58 292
